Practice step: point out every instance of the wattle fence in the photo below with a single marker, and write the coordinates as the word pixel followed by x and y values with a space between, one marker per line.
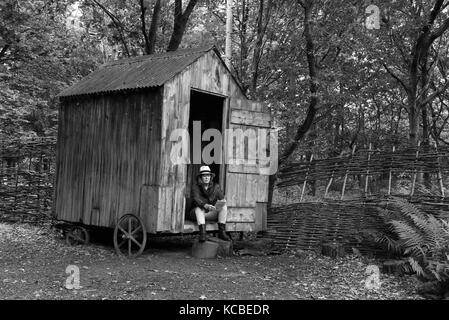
pixel 337 200
pixel 308 225
pixel 27 171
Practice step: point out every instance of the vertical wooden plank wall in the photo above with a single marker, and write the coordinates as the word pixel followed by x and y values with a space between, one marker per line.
pixel 108 157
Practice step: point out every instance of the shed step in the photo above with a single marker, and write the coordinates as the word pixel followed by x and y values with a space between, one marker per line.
pixel 190 226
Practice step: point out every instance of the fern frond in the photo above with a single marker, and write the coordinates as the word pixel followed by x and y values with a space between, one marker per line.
pixel 410 238
pixel 384 240
pixel 435 273
pixel 429 226
pixel 416 267
pixel 445 225
pixel 422 236
pixel 441 232
pixel 412 212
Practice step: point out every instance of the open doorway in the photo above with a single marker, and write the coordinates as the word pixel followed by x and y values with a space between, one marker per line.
pixel 208 110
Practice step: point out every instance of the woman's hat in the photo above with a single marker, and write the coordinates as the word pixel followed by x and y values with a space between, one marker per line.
pixel 205 170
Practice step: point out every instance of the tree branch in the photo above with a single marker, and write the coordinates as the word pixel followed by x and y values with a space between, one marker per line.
pixel 436 93
pixel 218 17
pixel 439 32
pixel 435 11
pixel 117 24
pixel 396 78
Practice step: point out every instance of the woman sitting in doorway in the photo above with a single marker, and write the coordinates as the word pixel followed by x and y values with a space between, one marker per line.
pixel 205 194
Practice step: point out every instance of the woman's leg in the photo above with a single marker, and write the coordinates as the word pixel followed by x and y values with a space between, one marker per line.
pixel 214 215
pixel 223 214
pixel 222 217
pixel 200 216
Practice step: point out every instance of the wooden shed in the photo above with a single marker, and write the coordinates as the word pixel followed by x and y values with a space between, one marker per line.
pixel 113 149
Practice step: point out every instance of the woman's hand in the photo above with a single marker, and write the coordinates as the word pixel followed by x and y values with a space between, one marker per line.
pixel 209 207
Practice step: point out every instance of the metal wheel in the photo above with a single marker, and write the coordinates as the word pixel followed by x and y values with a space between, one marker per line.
pixel 130 236
pixel 77 236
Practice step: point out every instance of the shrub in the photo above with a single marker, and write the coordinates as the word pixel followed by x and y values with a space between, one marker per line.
pixel 421 237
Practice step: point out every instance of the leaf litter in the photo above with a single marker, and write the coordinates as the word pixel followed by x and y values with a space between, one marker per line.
pixel 34 261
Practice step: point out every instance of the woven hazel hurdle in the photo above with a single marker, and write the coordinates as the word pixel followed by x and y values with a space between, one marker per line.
pixel 312 224
pixel 370 163
pixel 27 170
pixel 308 224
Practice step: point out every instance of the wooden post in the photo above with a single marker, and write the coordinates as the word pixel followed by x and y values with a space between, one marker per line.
pixel 440 177
pixel 305 179
pixel 17 183
pixel 415 171
pixel 367 170
pixel 329 184
pixel 346 174
pixel 391 172
pixel 228 42
pixel 40 163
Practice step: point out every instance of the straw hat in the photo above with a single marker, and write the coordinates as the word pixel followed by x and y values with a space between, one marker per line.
pixel 205 170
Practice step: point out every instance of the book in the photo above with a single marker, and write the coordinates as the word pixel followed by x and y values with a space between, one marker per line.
pixel 220 204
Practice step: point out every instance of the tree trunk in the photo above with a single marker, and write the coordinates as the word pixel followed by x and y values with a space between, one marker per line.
pixel 180 23
pixel 262 21
pixel 313 103
pixel 152 34
pixel 311 138
pixel 419 54
pixel 257 49
pixel 424 117
pixel 243 38
pixel 413 123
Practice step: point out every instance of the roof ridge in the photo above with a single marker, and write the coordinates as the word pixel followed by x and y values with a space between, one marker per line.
pixel 159 56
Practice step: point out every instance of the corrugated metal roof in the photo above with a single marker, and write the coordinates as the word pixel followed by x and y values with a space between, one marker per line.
pixel 135 73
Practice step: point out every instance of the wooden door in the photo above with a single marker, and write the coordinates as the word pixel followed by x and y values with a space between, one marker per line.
pixel 246 178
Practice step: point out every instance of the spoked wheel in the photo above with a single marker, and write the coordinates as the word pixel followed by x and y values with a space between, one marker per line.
pixel 130 236
pixel 77 236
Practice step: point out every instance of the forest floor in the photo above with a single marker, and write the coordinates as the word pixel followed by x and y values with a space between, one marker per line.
pixel 34 259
